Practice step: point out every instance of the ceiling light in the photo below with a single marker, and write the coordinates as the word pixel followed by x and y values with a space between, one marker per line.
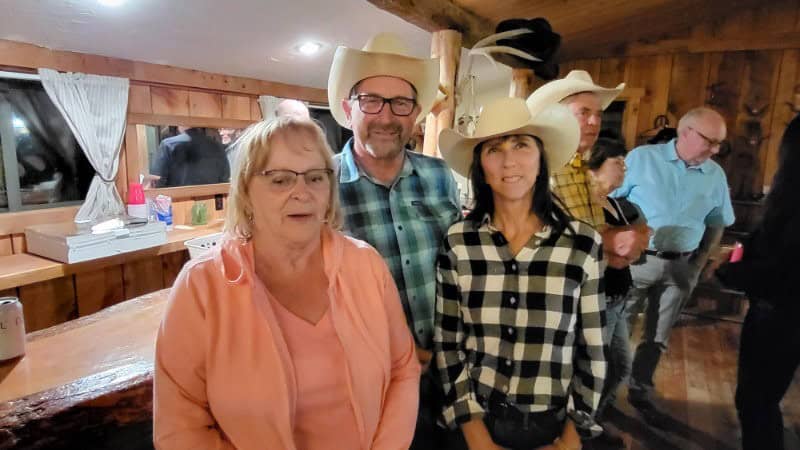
pixel 309 48
pixel 111 2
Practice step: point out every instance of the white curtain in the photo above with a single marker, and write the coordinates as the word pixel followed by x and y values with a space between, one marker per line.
pixel 95 108
pixel 269 106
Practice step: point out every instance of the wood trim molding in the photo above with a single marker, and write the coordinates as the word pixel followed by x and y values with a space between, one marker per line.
pixel 188 121
pixel 695 44
pixel 189 192
pixel 28 56
pixel 436 15
pixel 16 222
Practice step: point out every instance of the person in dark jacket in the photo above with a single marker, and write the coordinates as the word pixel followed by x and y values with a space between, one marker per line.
pixel 770 340
pixel 190 158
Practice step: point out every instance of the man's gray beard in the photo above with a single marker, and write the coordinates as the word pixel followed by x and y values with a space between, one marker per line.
pixel 391 154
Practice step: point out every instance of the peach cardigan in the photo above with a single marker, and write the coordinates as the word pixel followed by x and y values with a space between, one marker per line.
pixel 223 375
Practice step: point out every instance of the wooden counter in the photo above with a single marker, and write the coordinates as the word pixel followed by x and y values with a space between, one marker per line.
pixel 24 268
pixel 86 383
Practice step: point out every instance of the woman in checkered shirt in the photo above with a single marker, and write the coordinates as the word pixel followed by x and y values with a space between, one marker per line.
pixel 520 306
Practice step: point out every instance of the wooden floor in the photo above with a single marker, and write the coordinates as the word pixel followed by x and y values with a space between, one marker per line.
pixel 696 381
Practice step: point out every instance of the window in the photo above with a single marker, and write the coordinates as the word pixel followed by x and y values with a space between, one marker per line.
pixel 41 162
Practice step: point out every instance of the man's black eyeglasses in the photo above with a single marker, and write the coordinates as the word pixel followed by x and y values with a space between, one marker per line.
pixel 373 104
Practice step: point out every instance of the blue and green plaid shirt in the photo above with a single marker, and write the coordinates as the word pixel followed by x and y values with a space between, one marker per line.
pixel 406 223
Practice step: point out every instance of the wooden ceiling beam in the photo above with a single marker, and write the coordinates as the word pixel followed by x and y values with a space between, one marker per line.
pixel 435 15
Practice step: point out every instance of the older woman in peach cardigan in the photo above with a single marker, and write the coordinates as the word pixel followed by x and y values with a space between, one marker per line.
pixel 289 335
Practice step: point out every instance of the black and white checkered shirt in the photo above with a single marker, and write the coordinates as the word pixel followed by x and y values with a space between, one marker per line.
pixel 526 329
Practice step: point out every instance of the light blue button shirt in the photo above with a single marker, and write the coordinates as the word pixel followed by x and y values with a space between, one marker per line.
pixel 679 202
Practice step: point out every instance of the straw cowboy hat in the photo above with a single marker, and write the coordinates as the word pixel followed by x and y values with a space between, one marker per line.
pixel 554 124
pixel 575 82
pixel 385 54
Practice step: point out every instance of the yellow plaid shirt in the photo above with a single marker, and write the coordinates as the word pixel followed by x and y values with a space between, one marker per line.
pixel 571 185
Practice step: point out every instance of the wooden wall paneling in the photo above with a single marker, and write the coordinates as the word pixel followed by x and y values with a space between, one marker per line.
pixel 48 303
pixel 630 122
pixel 236 107
pixel 18 243
pixel 12 223
pixel 122 171
pixel 139 99
pixel 6 247
pixel 99 289
pixel 142 276
pixel 205 104
pixel 652 73
pixel 759 85
pixel 777 16
pixel 169 101
pixel 688 84
pixel 787 94
pixel 172 264
pixel 131 155
pixel 18 54
pixel 565 67
pixel 726 72
pixel 255 110
pixel 590 65
pixel 613 71
pixel 9 293
pixel 181 212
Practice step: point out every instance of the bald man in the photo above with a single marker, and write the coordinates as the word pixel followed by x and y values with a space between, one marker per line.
pixel 294 108
pixel 684 196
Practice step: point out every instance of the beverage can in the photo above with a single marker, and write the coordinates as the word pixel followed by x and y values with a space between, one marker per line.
pixel 12 328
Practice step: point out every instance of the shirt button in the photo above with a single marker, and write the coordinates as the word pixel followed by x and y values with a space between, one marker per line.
pixel 400 227
pixel 408 261
pixel 514 267
pixel 512 300
pixel 508 362
pixel 510 330
pixel 505 389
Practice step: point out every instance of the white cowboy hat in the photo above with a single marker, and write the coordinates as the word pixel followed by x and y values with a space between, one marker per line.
pixel 575 82
pixel 554 124
pixel 385 54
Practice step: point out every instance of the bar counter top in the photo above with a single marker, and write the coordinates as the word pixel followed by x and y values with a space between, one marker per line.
pixel 87 382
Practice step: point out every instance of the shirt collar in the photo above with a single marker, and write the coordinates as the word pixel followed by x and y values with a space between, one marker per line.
pixel 672 155
pixel 350 171
pixel 486 223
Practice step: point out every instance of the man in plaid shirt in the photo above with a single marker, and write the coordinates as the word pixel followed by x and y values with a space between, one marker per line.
pixel 570 183
pixel 399 201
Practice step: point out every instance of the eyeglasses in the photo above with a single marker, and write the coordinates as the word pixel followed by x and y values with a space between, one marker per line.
pixel 373 104
pixel 711 143
pixel 285 180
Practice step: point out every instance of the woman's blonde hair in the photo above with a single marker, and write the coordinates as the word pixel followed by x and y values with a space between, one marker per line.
pixel 254 148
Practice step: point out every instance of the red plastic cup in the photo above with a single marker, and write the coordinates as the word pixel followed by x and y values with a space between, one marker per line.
pixel 737 253
pixel 135 194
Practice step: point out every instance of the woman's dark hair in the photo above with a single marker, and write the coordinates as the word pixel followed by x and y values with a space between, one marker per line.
pixel 543 204
pixel 604 149
pixel 786 183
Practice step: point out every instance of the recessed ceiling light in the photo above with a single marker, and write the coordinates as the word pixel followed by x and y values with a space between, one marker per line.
pixel 309 48
pixel 111 2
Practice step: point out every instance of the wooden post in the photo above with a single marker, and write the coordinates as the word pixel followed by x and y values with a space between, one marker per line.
pixel 446 45
pixel 521 83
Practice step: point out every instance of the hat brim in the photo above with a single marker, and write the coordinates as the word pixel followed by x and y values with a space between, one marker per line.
pixel 555 126
pixel 555 91
pixel 351 66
